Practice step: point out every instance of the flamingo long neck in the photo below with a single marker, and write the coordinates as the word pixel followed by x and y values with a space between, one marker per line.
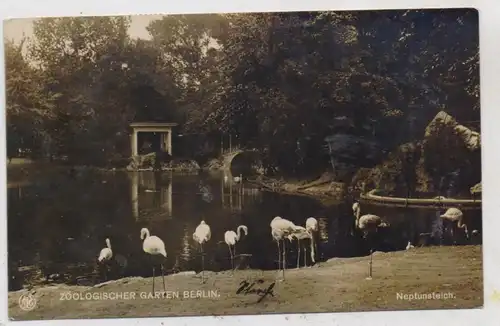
pixel 108 243
pixel 462 225
pixel 146 234
pixel 357 214
pixel 238 232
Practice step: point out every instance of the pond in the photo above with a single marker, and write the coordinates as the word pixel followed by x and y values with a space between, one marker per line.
pixel 57 225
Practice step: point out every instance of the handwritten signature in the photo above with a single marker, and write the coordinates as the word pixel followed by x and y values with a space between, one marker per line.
pixel 250 288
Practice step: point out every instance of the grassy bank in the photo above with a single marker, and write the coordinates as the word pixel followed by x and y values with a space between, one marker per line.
pixel 334 286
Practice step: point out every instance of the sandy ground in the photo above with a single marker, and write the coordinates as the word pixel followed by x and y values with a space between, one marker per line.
pixel 334 286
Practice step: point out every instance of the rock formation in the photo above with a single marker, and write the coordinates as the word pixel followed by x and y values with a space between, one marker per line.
pixel 446 161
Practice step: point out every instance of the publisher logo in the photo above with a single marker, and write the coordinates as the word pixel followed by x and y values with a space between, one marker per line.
pixel 27 302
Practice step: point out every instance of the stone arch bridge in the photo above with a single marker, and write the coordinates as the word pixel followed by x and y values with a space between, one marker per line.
pixel 241 161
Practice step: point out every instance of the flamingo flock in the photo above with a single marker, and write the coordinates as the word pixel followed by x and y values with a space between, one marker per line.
pixel 282 230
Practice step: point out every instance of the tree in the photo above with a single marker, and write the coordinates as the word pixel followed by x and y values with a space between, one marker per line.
pixel 190 45
pixel 386 72
pixel 379 70
pixel 107 80
pixel 28 105
pixel 68 52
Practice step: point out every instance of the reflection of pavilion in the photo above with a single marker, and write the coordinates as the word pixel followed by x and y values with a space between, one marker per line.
pixel 235 194
pixel 151 197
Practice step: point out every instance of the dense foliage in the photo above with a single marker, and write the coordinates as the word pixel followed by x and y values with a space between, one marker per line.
pixel 276 82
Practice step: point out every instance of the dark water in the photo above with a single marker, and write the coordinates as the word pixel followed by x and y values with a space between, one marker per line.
pixel 59 225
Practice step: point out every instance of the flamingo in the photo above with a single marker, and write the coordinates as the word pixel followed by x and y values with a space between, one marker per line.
pixel 155 247
pixel 302 233
pixel 409 246
pixel 453 215
pixel 106 254
pixel 312 224
pixel 231 237
pixel 368 223
pixel 280 229
pixel 201 235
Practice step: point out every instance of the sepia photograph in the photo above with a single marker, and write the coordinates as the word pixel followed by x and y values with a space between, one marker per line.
pixel 243 163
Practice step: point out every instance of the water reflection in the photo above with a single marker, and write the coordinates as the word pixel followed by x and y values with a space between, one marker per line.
pixel 234 192
pixel 151 195
pixel 83 211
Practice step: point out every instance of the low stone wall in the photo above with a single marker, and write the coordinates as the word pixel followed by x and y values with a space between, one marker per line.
pixel 372 197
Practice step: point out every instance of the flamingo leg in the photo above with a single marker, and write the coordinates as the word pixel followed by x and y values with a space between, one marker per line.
pixel 202 265
pixel 284 258
pixel 371 262
pixel 163 277
pixel 373 245
pixel 314 249
pixel 153 279
pixel 234 255
pixel 298 253
pixel 279 255
pixel 231 256
pixel 305 257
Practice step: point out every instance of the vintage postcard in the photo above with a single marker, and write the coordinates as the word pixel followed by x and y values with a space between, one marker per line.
pixel 243 163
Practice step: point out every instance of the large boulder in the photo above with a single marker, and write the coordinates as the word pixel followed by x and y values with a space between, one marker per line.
pixel 446 161
pixel 451 156
pixel 444 124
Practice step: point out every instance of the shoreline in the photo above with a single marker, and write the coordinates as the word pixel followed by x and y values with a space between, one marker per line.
pixel 322 189
pixel 414 279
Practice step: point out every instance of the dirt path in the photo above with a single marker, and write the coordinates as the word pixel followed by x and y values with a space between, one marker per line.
pixel 334 286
